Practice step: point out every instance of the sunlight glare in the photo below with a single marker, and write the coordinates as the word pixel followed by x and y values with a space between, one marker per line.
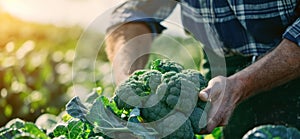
pixel 59 12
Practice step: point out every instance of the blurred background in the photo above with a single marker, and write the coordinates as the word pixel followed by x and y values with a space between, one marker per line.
pixel 38 40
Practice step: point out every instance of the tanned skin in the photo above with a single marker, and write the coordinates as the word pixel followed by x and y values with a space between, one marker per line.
pixel 128 47
pixel 278 67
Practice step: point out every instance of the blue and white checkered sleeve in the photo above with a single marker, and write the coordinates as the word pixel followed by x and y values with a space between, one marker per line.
pixel 151 12
pixel 293 32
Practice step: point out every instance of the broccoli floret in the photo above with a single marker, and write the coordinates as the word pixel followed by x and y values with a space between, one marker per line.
pixel 272 132
pixel 165 66
pixel 197 123
pixel 169 127
pixel 165 93
pixel 155 113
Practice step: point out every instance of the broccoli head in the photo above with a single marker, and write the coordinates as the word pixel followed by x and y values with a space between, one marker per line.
pixel 166 94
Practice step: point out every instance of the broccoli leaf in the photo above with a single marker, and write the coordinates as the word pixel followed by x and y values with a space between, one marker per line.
pixel 8 133
pixel 101 117
pixel 103 120
pixel 74 129
pixel 47 121
pixel 76 109
pixel 272 131
pixel 60 130
pixel 17 128
pixel 111 105
pixel 94 95
pixel 137 128
pixel 32 129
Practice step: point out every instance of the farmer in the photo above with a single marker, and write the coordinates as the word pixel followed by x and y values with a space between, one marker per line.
pixel 258 38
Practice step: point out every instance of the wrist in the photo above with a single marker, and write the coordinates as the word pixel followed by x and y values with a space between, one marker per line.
pixel 241 90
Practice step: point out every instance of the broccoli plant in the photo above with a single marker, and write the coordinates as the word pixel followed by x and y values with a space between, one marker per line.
pixel 272 132
pixel 166 95
pixel 161 102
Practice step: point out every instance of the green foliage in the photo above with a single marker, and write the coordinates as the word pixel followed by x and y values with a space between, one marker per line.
pixel 19 129
pixel 36 68
pixel 272 132
pixel 111 119
pixel 74 129
pixel 164 66
pixel 103 120
pixel 217 133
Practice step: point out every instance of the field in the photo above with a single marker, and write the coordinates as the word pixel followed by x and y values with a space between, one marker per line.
pixel 36 63
pixel 33 60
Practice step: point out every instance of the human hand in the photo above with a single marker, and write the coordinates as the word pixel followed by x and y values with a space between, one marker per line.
pixel 224 94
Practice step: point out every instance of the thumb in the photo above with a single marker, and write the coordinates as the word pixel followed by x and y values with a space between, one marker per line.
pixel 203 95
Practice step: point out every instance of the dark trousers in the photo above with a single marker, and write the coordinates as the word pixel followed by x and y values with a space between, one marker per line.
pixel 280 105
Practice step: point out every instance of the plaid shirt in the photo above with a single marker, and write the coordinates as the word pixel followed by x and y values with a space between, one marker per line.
pixel 249 27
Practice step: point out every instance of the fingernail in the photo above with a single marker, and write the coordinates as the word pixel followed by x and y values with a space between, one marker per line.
pixel 203 96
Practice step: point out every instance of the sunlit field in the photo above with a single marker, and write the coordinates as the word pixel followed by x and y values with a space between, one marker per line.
pixel 57 82
pixel 36 66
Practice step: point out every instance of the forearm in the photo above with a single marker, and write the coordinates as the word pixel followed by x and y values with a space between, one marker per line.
pixel 127 48
pixel 276 68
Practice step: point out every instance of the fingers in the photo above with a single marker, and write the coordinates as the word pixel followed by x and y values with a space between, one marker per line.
pixel 214 93
pixel 212 124
pixel 209 128
pixel 203 95
pixel 210 93
pixel 226 118
pixel 214 88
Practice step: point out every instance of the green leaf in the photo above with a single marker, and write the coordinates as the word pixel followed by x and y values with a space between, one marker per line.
pixel 102 118
pixel 272 131
pixel 217 133
pixel 34 130
pixel 9 133
pixel 17 128
pixel 66 117
pixel 111 105
pixel 76 109
pixel 24 136
pixel 15 123
pixel 47 121
pixel 60 130
pixel 137 128
pixel 108 123
pixel 74 129
pixel 94 95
